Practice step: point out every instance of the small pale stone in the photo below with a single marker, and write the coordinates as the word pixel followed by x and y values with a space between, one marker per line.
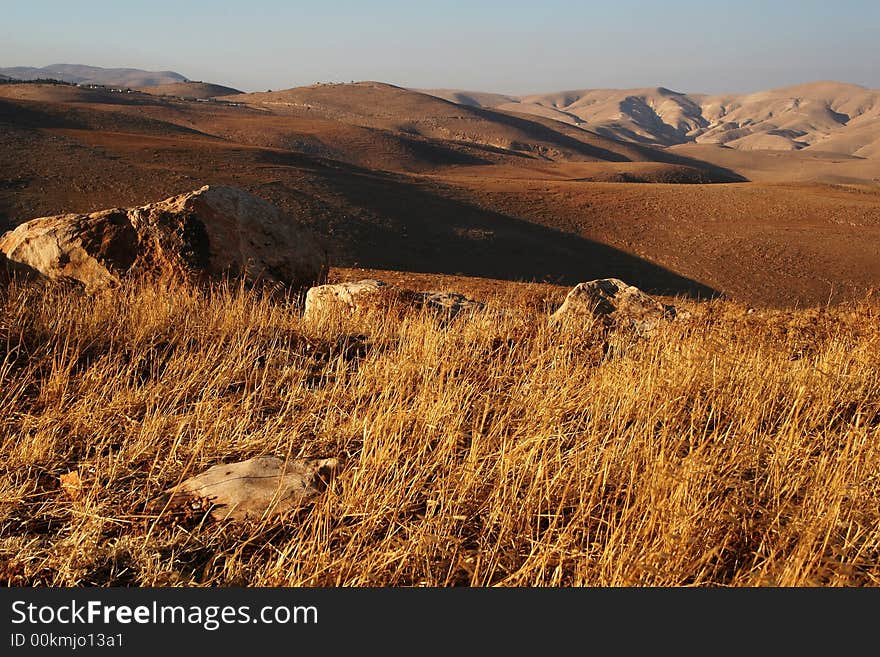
pixel 260 487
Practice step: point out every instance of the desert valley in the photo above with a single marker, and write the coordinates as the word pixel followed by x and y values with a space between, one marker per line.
pixel 592 337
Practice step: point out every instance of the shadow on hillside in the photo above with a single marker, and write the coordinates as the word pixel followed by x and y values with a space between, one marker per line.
pixel 407 228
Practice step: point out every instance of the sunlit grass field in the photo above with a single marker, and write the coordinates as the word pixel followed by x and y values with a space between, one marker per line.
pixel 732 448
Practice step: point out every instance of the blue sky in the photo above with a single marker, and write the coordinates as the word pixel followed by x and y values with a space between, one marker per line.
pixel 504 46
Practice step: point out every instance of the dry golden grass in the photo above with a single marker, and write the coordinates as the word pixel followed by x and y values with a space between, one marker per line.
pixel 734 449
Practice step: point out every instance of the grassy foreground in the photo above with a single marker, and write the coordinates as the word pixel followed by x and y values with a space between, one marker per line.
pixel 734 448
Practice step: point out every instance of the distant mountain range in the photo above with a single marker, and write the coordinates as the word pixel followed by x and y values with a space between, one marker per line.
pixel 819 116
pixel 79 74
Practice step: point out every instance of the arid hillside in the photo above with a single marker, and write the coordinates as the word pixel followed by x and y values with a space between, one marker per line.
pixel 399 180
pixel 819 116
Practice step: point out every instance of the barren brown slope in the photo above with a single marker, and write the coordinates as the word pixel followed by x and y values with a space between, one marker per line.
pixel 860 138
pixel 91 110
pixel 60 93
pixel 374 220
pixel 472 98
pixel 372 148
pixel 368 147
pixel 764 243
pixel 383 106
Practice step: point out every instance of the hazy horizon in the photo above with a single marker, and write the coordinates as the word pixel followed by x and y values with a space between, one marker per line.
pixel 510 48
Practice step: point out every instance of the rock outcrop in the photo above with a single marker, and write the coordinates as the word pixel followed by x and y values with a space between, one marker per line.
pixel 207 234
pixel 255 489
pixel 613 301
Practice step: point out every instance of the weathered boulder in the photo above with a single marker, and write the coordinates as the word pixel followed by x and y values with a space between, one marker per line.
pixel 612 300
pixel 207 234
pixel 343 297
pixel 260 487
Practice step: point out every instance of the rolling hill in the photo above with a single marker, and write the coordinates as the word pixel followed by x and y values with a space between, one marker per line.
pixel 81 74
pixel 190 89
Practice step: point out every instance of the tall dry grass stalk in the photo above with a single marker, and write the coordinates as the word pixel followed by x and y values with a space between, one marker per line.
pixel 733 449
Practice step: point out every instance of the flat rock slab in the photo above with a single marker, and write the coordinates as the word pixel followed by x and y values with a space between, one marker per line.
pixel 260 487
